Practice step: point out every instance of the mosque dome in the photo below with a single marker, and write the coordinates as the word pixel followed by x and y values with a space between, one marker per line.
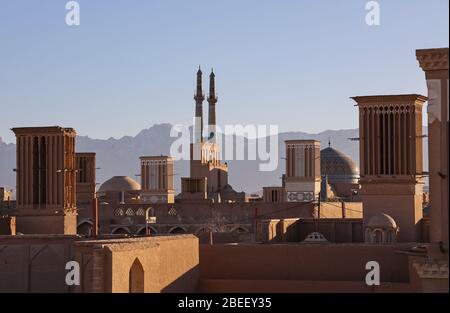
pixel 338 166
pixel 382 221
pixel 315 237
pixel 119 183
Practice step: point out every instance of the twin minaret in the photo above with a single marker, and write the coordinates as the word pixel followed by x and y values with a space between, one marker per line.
pixel 199 97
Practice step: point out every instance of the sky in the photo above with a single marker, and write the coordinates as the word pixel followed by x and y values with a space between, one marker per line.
pixel 132 63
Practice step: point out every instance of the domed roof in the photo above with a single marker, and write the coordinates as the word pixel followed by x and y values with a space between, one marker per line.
pixel 382 221
pixel 334 162
pixel 315 237
pixel 119 183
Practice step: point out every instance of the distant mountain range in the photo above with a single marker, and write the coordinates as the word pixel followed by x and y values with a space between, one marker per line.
pixel 118 157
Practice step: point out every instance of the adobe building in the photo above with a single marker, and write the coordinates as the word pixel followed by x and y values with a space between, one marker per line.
pixel 434 62
pixel 46 180
pixel 86 173
pixel 37 264
pixel 302 180
pixel 392 178
pixel 157 179
pixel 138 265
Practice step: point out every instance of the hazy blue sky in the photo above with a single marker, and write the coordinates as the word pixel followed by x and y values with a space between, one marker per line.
pixel 132 63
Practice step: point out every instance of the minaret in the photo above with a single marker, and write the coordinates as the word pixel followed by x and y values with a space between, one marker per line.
pixel 199 97
pixel 212 100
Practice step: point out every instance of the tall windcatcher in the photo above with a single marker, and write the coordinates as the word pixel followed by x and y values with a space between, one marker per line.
pixel 46 180
pixel 390 133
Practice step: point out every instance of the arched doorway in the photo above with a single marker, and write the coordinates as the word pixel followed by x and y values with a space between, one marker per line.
pixel 177 230
pixel 120 231
pixel 143 231
pixel 240 229
pixel 136 277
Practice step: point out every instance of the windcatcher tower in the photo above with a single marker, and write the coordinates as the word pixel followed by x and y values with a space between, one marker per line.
pixel 46 180
pixel 302 180
pixel 85 177
pixel 157 179
pixel 390 132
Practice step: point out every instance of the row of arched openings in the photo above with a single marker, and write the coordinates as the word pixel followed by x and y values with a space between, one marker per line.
pixel 85 228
